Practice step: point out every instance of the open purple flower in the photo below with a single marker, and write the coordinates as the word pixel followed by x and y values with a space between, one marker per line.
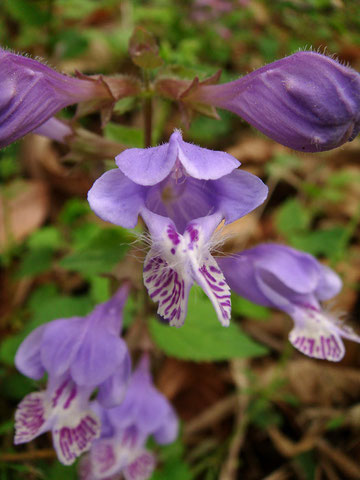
pixel 120 450
pixel 80 354
pixel 307 101
pixel 182 192
pixel 295 282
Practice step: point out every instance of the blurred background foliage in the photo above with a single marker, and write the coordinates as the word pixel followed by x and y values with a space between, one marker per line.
pixel 259 410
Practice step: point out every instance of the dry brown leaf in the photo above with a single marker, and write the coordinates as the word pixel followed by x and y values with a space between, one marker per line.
pixel 24 206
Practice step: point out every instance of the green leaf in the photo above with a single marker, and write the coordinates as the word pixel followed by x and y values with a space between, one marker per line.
pixel 46 237
pixel 130 136
pixel 202 337
pixel 176 470
pixel 6 427
pixel 329 242
pixel 292 217
pixel 35 261
pixel 241 306
pixel 26 12
pixel 71 43
pixel 16 386
pixel 99 255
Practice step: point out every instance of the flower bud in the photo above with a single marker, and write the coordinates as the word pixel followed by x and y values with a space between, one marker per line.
pixel 307 101
pixel 31 93
pixel 144 50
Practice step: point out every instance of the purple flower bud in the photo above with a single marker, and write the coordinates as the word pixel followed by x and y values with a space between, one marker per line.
pixel 31 93
pixel 80 354
pixel 295 282
pixel 307 101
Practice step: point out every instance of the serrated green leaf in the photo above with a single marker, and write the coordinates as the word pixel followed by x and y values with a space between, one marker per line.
pixel 202 338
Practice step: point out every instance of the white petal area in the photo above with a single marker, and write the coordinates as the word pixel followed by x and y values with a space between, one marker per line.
pixel 316 336
pixel 204 269
pixel 141 468
pixel 74 435
pixel 175 261
pixel 211 279
pixel 168 287
pixel 31 417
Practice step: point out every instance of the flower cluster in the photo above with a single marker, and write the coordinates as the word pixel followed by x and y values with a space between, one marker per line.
pixel 183 192
pixel 92 401
pixel 82 355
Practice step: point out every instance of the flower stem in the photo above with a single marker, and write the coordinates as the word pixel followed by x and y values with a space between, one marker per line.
pixel 148 112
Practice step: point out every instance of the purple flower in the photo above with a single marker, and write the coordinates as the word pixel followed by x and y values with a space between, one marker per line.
pixel 295 282
pixel 307 101
pixel 80 354
pixel 120 450
pixel 182 192
pixel 31 93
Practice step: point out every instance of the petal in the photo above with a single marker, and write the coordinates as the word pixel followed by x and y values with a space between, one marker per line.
pixel 98 357
pixel 74 435
pixel 329 284
pixel 109 313
pixel 238 194
pixel 317 340
pixel 148 166
pixel 297 270
pixel 104 461
pixel 116 199
pixel 141 468
pixel 168 287
pixel 169 430
pixel 239 271
pixel 30 418
pixel 203 163
pixel 61 342
pixel 27 358
pixel 205 271
pixel 112 391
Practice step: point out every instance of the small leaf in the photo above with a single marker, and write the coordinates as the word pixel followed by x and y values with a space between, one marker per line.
pixel 329 242
pixel 292 217
pixel 241 306
pixel 130 136
pixel 35 261
pixel 202 337
pixel 99 255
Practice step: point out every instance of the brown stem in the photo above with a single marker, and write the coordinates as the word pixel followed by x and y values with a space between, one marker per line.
pixel 148 112
pixel 27 456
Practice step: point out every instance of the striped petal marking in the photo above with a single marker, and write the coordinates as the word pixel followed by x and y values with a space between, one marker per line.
pixel 174 264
